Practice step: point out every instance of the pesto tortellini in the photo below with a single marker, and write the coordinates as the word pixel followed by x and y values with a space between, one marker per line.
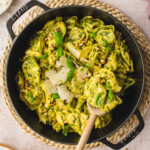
pixel 70 62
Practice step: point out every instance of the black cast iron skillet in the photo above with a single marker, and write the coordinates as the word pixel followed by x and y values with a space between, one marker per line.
pixel 121 114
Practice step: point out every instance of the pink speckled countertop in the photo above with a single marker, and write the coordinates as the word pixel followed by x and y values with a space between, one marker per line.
pixel 12 134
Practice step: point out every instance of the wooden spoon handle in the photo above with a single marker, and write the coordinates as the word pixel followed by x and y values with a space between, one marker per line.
pixel 86 133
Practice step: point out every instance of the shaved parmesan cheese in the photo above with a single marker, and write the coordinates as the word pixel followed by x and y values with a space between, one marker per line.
pixel 57 78
pixel 72 49
pixel 52 75
pixel 57 64
pixel 50 87
pixel 83 60
pixel 63 61
pixel 64 93
pixel 54 80
pixel 62 75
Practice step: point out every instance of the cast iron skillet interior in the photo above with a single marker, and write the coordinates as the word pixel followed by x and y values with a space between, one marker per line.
pixel 120 114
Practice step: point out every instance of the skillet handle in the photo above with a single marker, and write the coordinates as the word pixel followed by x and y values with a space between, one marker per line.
pixel 20 12
pixel 128 139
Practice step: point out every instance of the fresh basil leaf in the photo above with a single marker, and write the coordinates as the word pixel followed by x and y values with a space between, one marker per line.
pixel 65 130
pixel 55 95
pixel 105 43
pixel 69 63
pixel 107 84
pixel 44 56
pixel 99 99
pixel 92 35
pixel 70 74
pixel 109 48
pixel 88 66
pixel 59 52
pixel 31 97
pixel 58 39
pixel 110 95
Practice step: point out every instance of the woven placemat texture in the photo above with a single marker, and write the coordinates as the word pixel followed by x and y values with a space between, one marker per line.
pixel 142 42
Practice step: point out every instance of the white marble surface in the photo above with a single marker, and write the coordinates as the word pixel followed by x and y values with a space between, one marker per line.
pixel 12 134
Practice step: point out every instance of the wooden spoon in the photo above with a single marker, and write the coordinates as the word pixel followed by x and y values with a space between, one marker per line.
pixel 89 126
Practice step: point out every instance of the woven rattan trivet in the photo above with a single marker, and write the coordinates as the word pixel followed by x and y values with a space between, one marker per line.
pixel 139 36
